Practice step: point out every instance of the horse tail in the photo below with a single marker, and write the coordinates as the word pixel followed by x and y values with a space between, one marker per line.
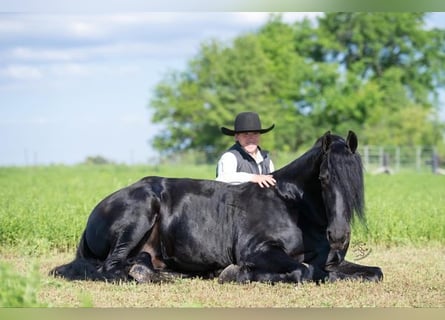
pixel 83 267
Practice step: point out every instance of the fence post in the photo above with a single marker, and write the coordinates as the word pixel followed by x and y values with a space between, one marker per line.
pixel 397 159
pixel 413 158
pixel 381 160
pixel 366 156
pixel 418 157
pixel 434 161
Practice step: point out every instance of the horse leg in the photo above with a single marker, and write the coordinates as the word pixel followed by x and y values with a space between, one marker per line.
pixel 83 267
pixel 143 271
pixel 115 265
pixel 127 247
pixel 349 270
pixel 152 247
pixel 235 273
pixel 269 264
pixel 78 269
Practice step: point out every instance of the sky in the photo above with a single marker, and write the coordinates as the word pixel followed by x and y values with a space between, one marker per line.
pixel 78 84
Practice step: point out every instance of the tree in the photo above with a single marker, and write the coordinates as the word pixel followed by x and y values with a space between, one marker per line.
pixel 387 60
pixel 219 82
pixel 375 73
pixel 97 160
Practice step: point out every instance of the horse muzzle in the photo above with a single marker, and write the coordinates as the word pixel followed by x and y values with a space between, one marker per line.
pixel 338 240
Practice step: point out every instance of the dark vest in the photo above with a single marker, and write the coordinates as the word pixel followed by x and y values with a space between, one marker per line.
pixel 248 164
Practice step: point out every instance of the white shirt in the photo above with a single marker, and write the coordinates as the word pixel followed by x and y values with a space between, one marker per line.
pixel 227 169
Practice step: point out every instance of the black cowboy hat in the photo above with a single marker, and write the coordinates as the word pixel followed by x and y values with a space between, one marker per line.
pixel 246 122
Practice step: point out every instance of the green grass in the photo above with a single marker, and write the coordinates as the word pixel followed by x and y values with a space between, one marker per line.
pixel 413 277
pixel 46 208
pixel 18 290
pixel 405 208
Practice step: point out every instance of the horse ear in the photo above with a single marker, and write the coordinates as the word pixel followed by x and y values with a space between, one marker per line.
pixel 326 140
pixel 352 141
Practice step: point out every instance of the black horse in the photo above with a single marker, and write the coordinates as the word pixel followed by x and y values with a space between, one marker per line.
pixel 299 230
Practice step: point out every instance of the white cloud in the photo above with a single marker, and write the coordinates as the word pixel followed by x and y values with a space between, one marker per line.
pixel 11 26
pixel 25 72
pixel 23 53
pixel 21 72
pixel 84 29
pixel 70 69
pixel 87 38
pixel 41 46
pixel 35 120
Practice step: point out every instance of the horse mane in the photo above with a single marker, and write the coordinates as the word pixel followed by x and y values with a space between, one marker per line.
pixel 290 178
pixel 346 169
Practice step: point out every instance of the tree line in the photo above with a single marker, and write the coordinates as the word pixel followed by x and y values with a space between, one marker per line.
pixel 378 74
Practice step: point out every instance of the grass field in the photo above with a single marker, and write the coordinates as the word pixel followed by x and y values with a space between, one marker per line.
pixel 414 277
pixel 43 211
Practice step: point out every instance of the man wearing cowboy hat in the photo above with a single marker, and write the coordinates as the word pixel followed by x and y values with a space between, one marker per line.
pixel 245 161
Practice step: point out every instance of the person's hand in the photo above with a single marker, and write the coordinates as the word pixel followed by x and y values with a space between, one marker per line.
pixel 264 180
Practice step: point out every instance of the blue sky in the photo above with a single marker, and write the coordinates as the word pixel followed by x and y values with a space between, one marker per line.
pixel 74 85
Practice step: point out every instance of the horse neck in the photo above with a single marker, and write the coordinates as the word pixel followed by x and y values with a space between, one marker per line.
pixel 299 176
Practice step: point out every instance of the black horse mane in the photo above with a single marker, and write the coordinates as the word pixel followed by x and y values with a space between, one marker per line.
pixel 345 170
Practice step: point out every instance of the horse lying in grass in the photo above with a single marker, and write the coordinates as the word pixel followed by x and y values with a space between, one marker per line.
pixel 299 230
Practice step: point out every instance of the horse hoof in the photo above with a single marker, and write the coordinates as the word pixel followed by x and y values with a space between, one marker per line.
pixel 229 274
pixel 141 273
pixel 308 274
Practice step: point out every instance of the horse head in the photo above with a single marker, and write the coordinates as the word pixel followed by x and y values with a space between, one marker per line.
pixel 341 180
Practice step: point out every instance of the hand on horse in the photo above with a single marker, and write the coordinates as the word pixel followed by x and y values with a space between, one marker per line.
pixel 264 180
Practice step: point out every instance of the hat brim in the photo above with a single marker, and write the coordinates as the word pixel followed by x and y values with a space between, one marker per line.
pixel 230 132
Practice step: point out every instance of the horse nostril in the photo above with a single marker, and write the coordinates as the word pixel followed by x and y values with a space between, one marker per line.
pixel 337 240
pixel 329 235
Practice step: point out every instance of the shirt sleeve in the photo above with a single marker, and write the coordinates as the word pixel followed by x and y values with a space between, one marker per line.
pixel 271 166
pixel 227 170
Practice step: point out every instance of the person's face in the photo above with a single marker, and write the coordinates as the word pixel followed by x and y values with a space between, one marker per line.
pixel 249 140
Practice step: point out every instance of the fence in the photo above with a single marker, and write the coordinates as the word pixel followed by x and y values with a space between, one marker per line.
pixel 376 159
pixel 379 159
